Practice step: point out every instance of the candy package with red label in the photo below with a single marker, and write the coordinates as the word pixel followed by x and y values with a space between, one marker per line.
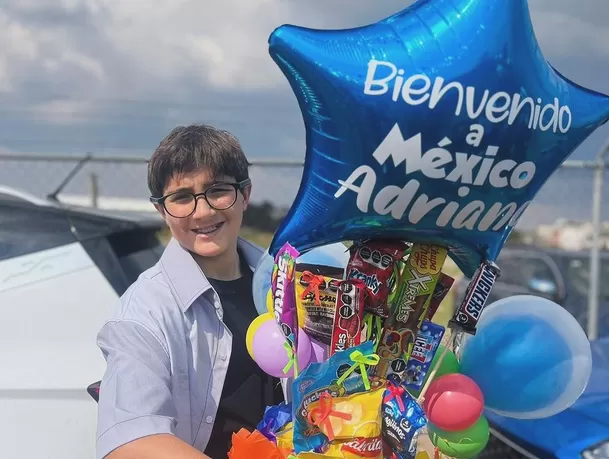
pixel 445 282
pixel 316 290
pixel 374 262
pixel 349 315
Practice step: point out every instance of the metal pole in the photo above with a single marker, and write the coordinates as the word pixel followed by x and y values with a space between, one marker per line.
pixel 595 255
pixel 93 190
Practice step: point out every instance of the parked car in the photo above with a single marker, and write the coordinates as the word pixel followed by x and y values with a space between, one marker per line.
pixel 582 431
pixel 62 270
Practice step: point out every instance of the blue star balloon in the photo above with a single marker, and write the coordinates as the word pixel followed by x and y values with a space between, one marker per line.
pixel 438 124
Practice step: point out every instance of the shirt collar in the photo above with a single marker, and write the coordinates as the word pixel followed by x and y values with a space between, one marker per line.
pixel 186 279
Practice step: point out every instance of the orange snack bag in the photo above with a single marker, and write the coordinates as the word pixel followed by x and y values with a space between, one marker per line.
pixel 348 418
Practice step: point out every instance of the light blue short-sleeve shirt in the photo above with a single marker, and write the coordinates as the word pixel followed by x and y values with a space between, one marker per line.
pixel 167 352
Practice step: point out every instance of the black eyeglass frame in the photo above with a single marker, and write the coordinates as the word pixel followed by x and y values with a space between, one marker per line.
pixel 239 186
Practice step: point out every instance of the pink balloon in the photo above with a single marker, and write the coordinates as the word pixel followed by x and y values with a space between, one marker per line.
pixel 270 353
pixel 320 351
pixel 453 402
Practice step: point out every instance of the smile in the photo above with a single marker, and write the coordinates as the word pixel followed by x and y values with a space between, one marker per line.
pixel 208 230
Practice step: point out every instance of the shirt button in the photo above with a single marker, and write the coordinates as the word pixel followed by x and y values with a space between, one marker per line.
pixel 209 419
pixel 223 356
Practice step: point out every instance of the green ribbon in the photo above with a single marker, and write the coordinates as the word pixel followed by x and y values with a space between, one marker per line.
pixel 360 361
pixel 291 359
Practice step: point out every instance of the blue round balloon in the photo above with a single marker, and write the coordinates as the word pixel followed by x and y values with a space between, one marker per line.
pixel 438 124
pixel 332 255
pixel 530 357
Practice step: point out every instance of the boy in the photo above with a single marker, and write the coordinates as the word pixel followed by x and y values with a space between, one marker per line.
pixel 179 380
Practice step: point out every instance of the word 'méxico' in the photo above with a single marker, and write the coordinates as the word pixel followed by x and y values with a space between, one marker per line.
pixel 439 163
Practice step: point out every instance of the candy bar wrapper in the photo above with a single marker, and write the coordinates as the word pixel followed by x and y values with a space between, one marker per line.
pixel 402 418
pixel 316 291
pixel 349 315
pixel 423 352
pixel 284 301
pixel 274 420
pixel 445 282
pixel 418 282
pixel 320 378
pixel 467 315
pixel 374 262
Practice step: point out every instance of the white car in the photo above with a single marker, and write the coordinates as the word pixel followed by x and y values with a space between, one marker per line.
pixel 61 273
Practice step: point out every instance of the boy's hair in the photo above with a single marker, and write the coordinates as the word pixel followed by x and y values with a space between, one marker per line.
pixel 189 148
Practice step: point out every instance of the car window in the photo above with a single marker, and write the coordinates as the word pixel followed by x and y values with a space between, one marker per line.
pixel 122 256
pixel 137 250
pixel 521 270
pixel 578 273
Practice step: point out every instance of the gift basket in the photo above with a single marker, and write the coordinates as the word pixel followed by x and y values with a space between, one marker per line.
pixel 428 135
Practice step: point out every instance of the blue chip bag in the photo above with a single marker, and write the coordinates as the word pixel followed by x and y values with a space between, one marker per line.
pixel 340 376
pixel 402 418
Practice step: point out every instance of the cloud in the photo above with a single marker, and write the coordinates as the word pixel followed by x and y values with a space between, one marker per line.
pixel 116 75
pixel 564 30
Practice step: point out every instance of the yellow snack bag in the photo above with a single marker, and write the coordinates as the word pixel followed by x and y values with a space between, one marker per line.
pixel 309 455
pixel 348 418
pixel 284 438
pixel 357 448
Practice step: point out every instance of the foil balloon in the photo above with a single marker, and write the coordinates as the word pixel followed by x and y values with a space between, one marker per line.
pixel 438 124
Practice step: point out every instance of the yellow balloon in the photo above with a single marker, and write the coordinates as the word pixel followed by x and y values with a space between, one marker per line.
pixel 269 302
pixel 253 328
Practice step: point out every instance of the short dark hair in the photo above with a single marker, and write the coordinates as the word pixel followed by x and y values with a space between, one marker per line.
pixel 189 148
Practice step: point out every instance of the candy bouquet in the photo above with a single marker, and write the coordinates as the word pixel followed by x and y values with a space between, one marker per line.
pixel 373 319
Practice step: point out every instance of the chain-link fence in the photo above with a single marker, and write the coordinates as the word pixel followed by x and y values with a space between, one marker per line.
pixel 569 212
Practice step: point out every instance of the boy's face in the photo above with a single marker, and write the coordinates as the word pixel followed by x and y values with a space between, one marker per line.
pixel 207 232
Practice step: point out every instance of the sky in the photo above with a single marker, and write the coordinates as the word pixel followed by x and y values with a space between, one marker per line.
pixel 115 76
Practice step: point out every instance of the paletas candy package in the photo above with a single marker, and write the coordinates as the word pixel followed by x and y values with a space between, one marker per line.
pixel 349 315
pixel 284 302
pixel 415 290
pixel 374 262
pixel 316 291
pixel 402 418
pixel 343 374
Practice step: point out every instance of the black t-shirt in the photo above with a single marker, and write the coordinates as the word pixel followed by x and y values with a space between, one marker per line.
pixel 247 389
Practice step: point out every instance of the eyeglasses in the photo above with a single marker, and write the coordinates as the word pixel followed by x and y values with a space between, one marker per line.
pixel 219 196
